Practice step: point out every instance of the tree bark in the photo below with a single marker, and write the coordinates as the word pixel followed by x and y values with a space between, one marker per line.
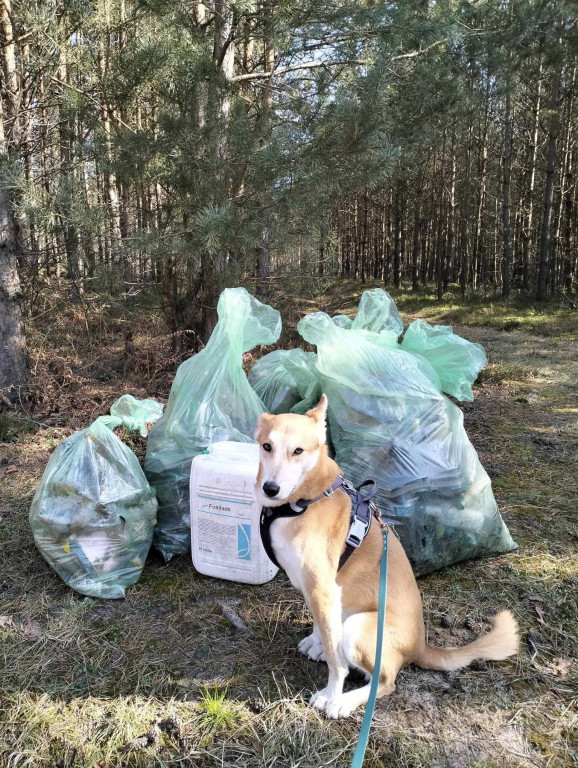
pixel 527 232
pixel 66 183
pixel 506 170
pixel 13 354
pixel 545 237
pixel 264 248
pixel 223 60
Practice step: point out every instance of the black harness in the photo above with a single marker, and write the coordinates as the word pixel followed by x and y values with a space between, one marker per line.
pixel 362 509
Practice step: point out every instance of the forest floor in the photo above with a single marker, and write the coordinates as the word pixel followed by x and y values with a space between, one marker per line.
pixel 162 678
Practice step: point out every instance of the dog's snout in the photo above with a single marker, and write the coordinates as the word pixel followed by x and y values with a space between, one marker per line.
pixel 271 489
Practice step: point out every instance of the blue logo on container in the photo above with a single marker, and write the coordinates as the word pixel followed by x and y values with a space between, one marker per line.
pixel 243 541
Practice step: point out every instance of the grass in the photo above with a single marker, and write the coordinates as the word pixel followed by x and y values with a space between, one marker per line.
pixel 217 712
pixel 162 679
pixel 552 318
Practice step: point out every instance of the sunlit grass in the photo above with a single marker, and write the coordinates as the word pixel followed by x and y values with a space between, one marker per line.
pixel 218 713
pixel 484 308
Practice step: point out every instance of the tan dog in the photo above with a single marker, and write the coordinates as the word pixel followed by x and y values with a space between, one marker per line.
pixel 295 465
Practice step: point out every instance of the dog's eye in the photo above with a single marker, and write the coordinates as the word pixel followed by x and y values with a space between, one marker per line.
pixel 297 451
pixel 267 447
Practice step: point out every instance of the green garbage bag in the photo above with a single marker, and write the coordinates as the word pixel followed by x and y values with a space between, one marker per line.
pixel 210 401
pixel 94 512
pixel 133 414
pixel 456 360
pixel 378 313
pixel 286 380
pixel 342 321
pixel 389 420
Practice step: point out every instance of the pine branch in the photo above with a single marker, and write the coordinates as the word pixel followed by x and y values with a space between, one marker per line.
pixel 296 68
pixel 336 63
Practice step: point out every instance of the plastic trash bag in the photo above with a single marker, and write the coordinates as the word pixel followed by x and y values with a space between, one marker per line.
pixel 133 414
pixel 456 360
pixel 286 380
pixel 210 401
pixel 378 313
pixel 388 420
pixel 94 513
pixel 342 321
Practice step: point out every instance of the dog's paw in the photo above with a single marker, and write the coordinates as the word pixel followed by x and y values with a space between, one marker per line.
pixel 334 708
pixel 339 708
pixel 319 699
pixel 317 653
pixel 312 647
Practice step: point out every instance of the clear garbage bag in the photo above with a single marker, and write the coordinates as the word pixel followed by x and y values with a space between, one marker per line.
pixel 210 401
pixel 389 420
pixel 342 321
pixel 457 361
pixel 133 414
pixel 378 313
pixel 94 512
pixel 286 380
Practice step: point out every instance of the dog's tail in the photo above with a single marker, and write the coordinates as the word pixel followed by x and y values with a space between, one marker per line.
pixel 499 643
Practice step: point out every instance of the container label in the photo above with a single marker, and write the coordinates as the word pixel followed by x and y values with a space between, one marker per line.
pixel 223 531
pixel 243 541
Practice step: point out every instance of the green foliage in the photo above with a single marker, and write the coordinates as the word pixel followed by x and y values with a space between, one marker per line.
pixel 217 712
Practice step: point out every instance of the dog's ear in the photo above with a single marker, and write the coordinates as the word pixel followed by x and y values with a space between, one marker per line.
pixel 261 421
pixel 319 415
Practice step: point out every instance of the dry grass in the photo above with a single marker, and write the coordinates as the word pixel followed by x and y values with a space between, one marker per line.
pixel 162 678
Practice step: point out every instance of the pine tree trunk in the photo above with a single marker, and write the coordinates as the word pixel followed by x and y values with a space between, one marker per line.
pixel 465 245
pixel 439 248
pixel 416 243
pixel 570 255
pixel 545 237
pixel 449 256
pixel 224 60
pixel 109 180
pixel 13 354
pixel 477 268
pixel 566 191
pixel 264 248
pixel 66 182
pixel 397 234
pixel 506 165
pixel 527 231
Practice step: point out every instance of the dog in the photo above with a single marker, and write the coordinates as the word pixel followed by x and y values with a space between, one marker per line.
pixel 295 464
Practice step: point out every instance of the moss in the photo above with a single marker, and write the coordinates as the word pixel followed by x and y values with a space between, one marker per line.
pixel 541 740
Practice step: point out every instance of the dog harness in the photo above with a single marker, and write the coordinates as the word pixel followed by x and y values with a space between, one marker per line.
pixel 362 509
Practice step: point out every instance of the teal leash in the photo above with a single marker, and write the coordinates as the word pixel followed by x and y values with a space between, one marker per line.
pixel 359 753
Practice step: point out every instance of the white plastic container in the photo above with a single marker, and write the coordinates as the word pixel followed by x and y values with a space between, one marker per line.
pixel 225 539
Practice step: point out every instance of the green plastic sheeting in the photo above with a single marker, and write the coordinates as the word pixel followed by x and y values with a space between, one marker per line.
pixel 456 360
pixel 94 512
pixel 286 380
pixel 389 420
pixel 210 400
